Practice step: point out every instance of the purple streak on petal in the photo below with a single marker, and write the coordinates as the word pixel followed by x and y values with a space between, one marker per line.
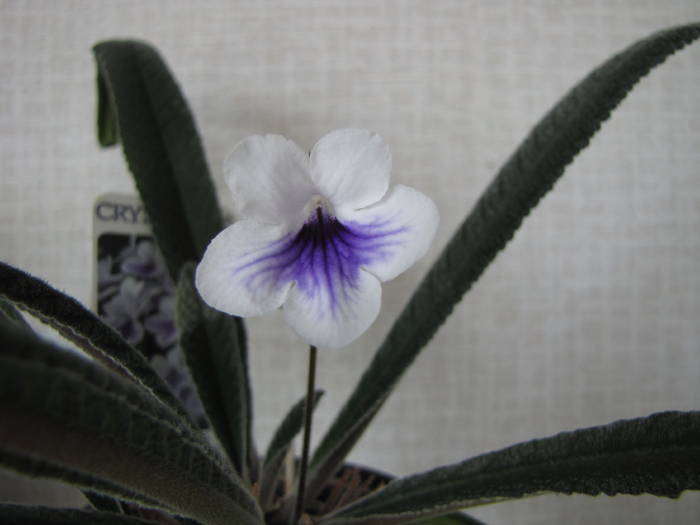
pixel 323 258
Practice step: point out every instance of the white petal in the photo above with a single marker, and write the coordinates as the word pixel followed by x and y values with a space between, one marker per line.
pixel 334 318
pixel 238 275
pixel 351 168
pixel 269 178
pixel 394 233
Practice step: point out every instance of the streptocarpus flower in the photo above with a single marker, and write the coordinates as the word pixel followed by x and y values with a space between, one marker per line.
pixel 318 234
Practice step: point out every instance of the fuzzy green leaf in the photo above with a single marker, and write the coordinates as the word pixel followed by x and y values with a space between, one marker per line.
pixel 64 417
pixel 83 328
pixel 456 518
pixel 37 515
pixel 9 312
pixel 217 359
pixel 658 455
pixel 103 502
pixel 141 105
pixel 107 125
pixel 522 181
pixel 279 446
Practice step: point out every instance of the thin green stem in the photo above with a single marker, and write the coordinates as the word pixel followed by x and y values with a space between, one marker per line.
pixel 308 412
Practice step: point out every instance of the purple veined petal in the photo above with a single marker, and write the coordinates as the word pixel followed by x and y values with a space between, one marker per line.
pixel 225 277
pixel 353 310
pixel 404 224
pixel 324 257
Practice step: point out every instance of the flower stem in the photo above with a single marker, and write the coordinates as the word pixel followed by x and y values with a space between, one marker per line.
pixel 308 411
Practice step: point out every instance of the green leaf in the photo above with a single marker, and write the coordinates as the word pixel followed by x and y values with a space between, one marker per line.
pixel 658 455
pixel 64 417
pixel 103 502
pixel 141 105
pixel 522 181
pixel 83 328
pixel 217 359
pixel 456 518
pixel 36 515
pixel 107 125
pixel 9 312
pixel 279 446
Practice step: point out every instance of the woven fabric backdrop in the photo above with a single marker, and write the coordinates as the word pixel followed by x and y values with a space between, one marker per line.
pixel 588 316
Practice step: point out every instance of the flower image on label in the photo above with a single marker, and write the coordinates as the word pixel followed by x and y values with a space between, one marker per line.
pixel 317 235
pixel 133 292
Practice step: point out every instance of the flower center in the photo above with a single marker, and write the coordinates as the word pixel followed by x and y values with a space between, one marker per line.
pixel 321 228
pixel 316 203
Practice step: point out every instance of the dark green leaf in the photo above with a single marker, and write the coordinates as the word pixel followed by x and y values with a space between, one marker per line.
pixel 103 502
pixel 141 105
pixel 523 180
pixel 456 518
pixel 26 515
pixel 659 455
pixel 107 126
pixel 279 446
pixel 9 312
pixel 64 417
pixel 218 363
pixel 83 328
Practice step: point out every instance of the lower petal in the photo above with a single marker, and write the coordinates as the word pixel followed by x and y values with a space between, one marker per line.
pixel 334 317
pixel 238 275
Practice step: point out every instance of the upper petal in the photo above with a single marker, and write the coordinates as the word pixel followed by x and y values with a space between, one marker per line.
pixel 394 233
pixel 333 317
pixel 239 273
pixel 269 178
pixel 351 168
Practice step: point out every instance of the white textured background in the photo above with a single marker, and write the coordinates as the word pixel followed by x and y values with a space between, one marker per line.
pixel 590 315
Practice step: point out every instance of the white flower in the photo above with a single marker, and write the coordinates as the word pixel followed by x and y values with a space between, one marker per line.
pixel 318 234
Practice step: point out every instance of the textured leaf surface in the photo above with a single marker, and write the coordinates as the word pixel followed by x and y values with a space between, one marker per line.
pixel 83 328
pixel 280 445
pixel 141 105
pixel 66 418
pixel 103 502
pixel 522 181
pixel 9 312
pixel 456 518
pixel 216 356
pixel 26 515
pixel 659 455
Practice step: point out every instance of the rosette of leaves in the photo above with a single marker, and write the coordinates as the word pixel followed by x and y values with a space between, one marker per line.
pixel 110 426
